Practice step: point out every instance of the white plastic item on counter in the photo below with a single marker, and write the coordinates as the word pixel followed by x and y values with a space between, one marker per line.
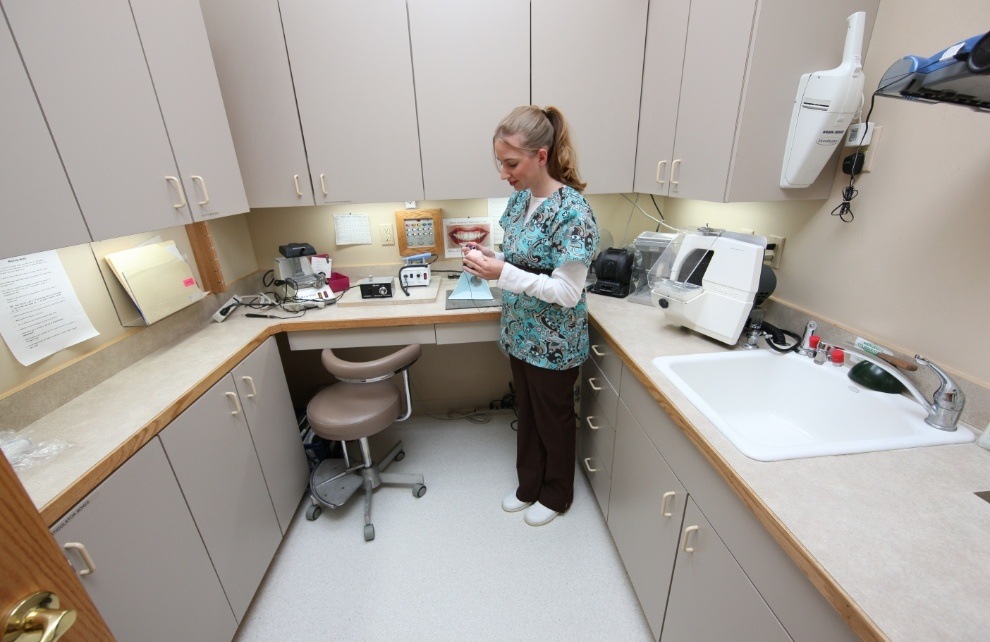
pixel 984 439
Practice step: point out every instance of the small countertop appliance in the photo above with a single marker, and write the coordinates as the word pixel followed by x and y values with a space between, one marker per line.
pixel 614 272
pixel 708 281
pixel 647 249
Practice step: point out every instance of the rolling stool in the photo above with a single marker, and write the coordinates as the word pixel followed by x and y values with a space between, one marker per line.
pixel 364 402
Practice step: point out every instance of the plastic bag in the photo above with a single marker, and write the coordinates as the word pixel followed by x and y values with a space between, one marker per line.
pixel 23 452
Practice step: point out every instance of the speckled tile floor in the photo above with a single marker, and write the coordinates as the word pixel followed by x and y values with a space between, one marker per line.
pixel 451 565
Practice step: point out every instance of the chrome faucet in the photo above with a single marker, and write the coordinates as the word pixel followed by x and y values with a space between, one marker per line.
pixel 947 402
pixel 805 348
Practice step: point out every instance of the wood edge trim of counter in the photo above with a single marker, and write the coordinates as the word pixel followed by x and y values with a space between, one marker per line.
pixel 854 616
pixel 62 503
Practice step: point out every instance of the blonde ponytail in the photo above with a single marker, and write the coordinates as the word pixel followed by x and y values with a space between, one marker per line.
pixel 545 129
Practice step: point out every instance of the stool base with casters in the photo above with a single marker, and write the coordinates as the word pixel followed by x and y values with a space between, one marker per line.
pixel 364 402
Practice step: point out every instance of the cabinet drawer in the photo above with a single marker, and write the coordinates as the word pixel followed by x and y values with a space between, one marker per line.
pixel 597 474
pixel 596 387
pixel 605 357
pixel 600 432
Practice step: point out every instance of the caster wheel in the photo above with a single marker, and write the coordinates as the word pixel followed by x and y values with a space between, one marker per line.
pixel 399 456
pixel 369 532
pixel 419 490
pixel 313 512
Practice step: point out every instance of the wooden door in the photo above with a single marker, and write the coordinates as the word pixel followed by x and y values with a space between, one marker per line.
pixel 31 561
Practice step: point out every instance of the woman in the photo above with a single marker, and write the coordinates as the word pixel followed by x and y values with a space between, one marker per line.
pixel 550 238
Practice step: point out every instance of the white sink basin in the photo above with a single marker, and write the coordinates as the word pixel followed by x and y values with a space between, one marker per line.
pixel 775 406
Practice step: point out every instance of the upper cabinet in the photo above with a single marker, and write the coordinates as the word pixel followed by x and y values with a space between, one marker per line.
pixel 588 62
pixel 249 53
pixel 134 120
pixel 185 79
pixel 471 65
pixel 717 132
pixel 40 209
pixel 353 78
pixel 88 69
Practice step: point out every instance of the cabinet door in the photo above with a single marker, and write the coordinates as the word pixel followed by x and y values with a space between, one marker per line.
pixel 211 452
pixel 352 71
pixel 185 79
pixel 588 61
pixel 471 63
pixel 152 578
pixel 665 39
pixel 646 508
pixel 252 67
pixel 711 94
pixel 710 597
pixel 88 69
pixel 41 212
pixel 267 405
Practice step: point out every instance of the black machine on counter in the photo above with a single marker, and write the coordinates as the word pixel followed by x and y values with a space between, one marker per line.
pixel 614 272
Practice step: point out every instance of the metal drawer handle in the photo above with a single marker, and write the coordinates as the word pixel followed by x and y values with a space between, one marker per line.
pixel 663 504
pixel 687 534
pixel 592 385
pixel 84 554
pixel 237 402
pixel 588 419
pixel 588 467
pixel 596 351
pixel 250 382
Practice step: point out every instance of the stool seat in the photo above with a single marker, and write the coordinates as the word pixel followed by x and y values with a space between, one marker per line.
pixel 348 411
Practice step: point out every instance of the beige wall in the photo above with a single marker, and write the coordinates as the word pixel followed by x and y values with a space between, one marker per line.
pixel 910 270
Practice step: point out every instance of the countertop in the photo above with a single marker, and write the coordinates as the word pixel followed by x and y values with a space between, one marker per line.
pixel 897 533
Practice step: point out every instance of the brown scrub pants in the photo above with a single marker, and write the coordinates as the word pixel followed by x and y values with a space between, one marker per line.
pixel 545 447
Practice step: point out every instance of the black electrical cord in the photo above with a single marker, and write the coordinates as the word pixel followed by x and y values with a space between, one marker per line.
pixel 844 209
pixel 775 338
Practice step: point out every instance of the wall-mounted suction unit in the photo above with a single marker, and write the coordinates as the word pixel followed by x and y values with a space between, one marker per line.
pixel 959 75
pixel 824 107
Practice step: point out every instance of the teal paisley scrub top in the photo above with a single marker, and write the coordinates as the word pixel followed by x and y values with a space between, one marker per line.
pixel 562 229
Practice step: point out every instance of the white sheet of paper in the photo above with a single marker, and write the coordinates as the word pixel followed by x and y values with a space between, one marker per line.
pixel 351 229
pixel 496 207
pixel 40 313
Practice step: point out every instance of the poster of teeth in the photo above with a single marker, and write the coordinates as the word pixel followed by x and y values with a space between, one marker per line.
pixel 458 231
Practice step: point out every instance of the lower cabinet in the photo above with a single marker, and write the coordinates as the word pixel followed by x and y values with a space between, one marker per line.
pixel 710 596
pixel 174 544
pixel 138 553
pixel 645 512
pixel 211 451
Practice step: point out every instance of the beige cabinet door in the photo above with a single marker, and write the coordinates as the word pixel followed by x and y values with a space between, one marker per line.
pixel 646 509
pixel 352 71
pixel 264 395
pixel 87 66
pixel 151 577
pixel 249 54
pixel 665 40
pixel 211 451
pixel 178 53
pixel 471 64
pixel 587 59
pixel 710 596
pixel 40 210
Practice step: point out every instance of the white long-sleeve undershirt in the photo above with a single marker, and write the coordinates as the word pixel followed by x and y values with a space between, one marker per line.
pixel 562 287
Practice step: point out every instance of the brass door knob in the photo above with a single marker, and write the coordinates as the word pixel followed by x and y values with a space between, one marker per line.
pixel 37 619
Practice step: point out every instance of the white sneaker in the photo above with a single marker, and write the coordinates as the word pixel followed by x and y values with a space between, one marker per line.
pixel 538 515
pixel 511 504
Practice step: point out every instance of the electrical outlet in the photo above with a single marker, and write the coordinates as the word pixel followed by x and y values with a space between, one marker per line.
pixel 778 249
pixel 871 151
pixel 386 234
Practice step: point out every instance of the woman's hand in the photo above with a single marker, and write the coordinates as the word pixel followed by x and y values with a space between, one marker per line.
pixel 487 251
pixel 481 263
